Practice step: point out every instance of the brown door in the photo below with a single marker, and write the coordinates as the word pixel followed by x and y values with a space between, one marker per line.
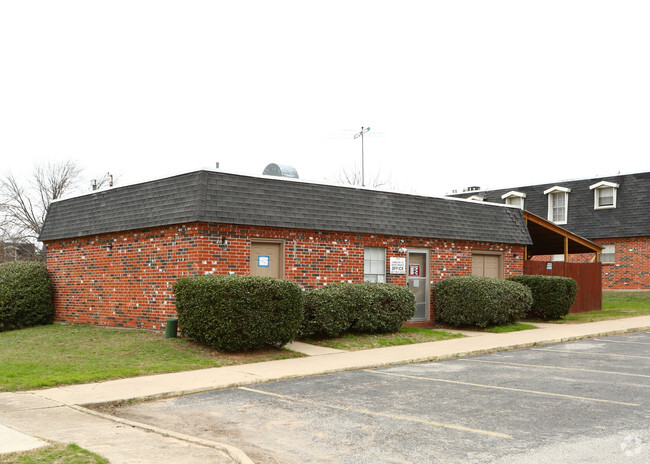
pixel 487 266
pixel 266 259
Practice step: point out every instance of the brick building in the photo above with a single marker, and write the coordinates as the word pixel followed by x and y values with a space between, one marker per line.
pixel 613 212
pixel 114 255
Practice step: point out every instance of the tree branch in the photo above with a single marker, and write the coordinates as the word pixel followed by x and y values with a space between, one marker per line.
pixel 22 211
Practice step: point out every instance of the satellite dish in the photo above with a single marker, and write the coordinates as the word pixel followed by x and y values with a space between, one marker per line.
pixel 280 170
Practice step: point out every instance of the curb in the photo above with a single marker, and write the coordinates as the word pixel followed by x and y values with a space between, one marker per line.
pixel 234 453
pixel 238 456
pixel 373 365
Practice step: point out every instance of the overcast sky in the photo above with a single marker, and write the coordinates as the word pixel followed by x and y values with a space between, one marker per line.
pixel 456 93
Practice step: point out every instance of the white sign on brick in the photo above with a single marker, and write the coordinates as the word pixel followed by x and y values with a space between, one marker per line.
pixel 397 265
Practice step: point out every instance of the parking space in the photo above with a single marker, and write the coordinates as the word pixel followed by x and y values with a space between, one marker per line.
pixel 585 401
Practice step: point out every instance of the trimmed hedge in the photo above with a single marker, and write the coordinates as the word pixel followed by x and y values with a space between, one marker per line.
pixel 552 295
pixel 25 295
pixel 238 313
pixel 480 301
pixel 361 307
pixel 327 312
pixel 381 308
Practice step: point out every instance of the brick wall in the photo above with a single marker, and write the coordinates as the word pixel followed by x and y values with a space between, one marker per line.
pixel 122 279
pixel 631 269
pixel 125 279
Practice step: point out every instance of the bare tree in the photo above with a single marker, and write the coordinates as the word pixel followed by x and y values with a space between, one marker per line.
pixel 353 176
pixel 23 206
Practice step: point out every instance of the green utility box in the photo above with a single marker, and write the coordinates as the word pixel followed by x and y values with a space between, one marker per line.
pixel 171 328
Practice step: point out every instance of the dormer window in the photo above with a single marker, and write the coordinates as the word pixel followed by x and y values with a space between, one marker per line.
pixel 514 198
pixel 605 197
pixel 604 194
pixel 558 204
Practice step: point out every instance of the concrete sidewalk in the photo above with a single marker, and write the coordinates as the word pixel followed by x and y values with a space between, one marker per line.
pixel 58 413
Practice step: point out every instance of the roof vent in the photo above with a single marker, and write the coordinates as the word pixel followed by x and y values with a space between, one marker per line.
pixel 280 170
pixel 474 188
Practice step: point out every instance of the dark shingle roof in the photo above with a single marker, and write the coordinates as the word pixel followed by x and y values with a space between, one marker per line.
pixel 218 197
pixel 630 218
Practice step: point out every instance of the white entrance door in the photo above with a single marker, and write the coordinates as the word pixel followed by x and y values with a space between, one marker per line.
pixel 417 281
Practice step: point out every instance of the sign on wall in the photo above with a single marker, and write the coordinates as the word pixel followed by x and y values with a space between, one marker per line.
pixel 414 270
pixel 397 265
pixel 263 261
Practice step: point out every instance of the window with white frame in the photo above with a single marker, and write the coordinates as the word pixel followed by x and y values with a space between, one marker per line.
pixel 374 264
pixel 557 257
pixel 558 207
pixel 558 204
pixel 514 199
pixel 604 194
pixel 608 255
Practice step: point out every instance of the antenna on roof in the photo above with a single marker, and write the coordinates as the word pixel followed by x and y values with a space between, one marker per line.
pixel 95 184
pixel 356 136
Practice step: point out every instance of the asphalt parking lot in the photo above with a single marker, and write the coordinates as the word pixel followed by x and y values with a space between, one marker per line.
pixel 579 402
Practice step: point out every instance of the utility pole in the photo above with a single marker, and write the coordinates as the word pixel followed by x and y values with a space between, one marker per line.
pixel 356 136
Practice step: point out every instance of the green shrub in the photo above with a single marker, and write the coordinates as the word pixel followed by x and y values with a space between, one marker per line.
pixel 362 307
pixel 480 301
pixel 237 313
pixel 328 312
pixel 381 308
pixel 552 295
pixel 25 295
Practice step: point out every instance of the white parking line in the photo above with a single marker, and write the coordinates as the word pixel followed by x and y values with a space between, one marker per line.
pixel 381 414
pixel 592 353
pixel 542 366
pixel 620 341
pixel 496 387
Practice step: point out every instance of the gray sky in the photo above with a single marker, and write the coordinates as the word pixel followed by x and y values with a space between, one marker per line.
pixel 457 93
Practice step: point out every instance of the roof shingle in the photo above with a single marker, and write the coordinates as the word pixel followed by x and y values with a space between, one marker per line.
pixel 218 197
pixel 630 218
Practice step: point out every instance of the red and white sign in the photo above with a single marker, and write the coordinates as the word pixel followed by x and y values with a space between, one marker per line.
pixel 414 270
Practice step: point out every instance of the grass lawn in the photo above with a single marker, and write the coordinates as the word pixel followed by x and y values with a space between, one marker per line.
pixel 616 305
pixel 626 300
pixel 514 327
pixel 58 453
pixel 605 314
pixel 406 335
pixel 63 354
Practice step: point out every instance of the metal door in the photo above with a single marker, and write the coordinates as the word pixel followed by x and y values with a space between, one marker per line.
pixel 266 259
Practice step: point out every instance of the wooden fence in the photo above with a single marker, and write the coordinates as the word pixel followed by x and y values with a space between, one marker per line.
pixel 587 275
